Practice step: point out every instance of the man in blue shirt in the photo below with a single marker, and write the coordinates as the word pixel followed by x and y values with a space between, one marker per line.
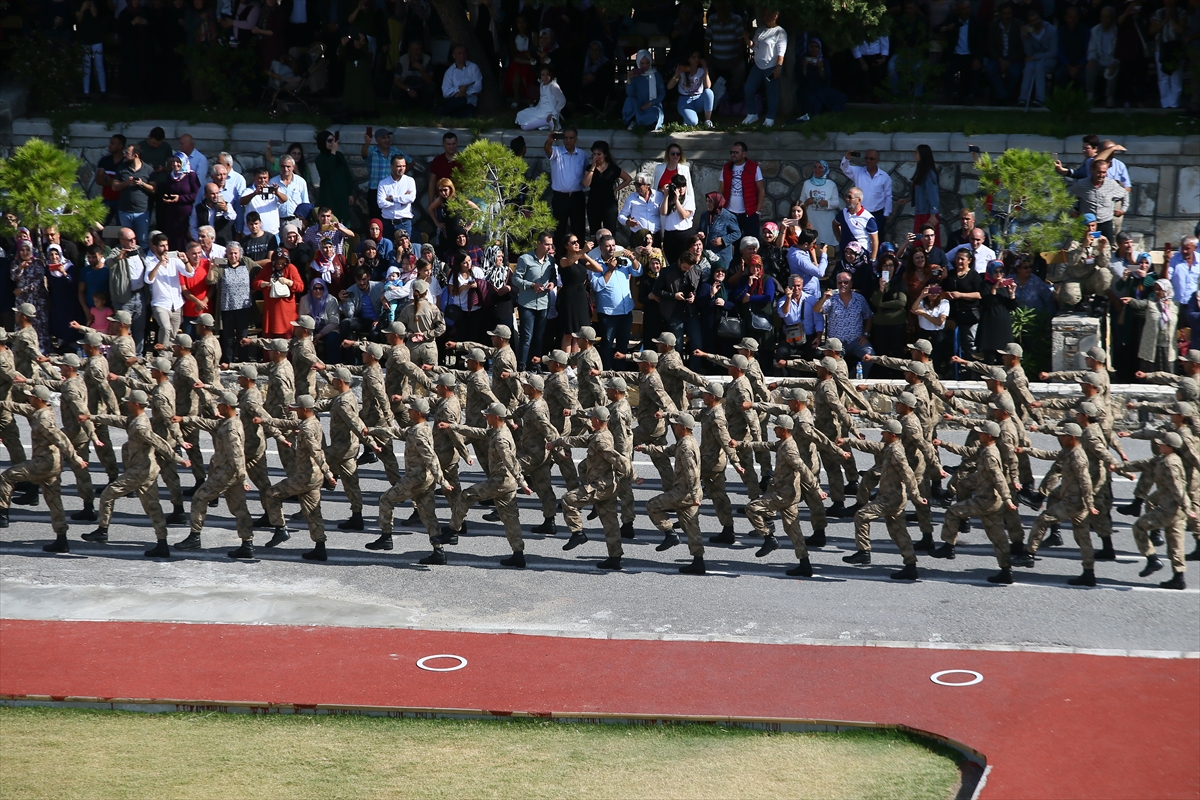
pixel 614 299
pixel 534 278
pixel 360 308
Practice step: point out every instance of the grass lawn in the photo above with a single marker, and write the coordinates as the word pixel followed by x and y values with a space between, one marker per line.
pixel 60 753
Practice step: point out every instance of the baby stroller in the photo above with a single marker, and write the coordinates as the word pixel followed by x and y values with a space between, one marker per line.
pixel 310 73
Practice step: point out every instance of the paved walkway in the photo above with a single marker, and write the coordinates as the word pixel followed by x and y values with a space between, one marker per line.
pixel 1050 725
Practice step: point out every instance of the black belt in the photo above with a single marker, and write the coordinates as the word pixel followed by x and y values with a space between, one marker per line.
pixel 568 194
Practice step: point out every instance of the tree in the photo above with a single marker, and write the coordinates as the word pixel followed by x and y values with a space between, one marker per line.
pixel 503 201
pixel 1024 198
pixel 38 183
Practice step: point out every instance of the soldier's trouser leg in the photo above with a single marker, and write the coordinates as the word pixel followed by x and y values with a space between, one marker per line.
pixel 1025 471
pixel 866 482
pixel 761 512
pixel 604 499
pixel 745 457
pixel 52 492
pixel 1102 523
pixel 148 495
pixel 310 503
pixel 1083 538
pixel 607 509
pixel 666 471
pixel 170 478
pixel 849 468
pixel 12 476
pixel 287 456
pixel 1054 512
pixel 689 520
pixel 195 456
pixel 10 435
pixel 787 509
pixel 999 536
pixel 481 455
pixel 965 509
pixel 346 469
pixel 122 486
pixel 863 518
pixel 487 490
pixel 391 467
pixel 256 471
pixel 83 478
pixel 924 510
pixel 764 462
pixel 899 533
pixel 506 507
pixel 1011 522
pixel 566 467
pixel 1173 532
pixel 573 501
pixel 207 491
pixel 107 457
pixel 1158 517
pixel 539 480
pixel 659 508
pixel 834 473
pixel 420 492
pixel 714 490
pixel 625 497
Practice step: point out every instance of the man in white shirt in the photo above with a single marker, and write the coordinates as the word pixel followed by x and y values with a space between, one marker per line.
pixel 640 212
pixel 166 298
pixel 768 47
pixel 980 252
pixel 461 86
pixel 231 191
pixel 266 198
pixel 395 197
pixel 294 187
pixel 1102 57
pixel 567 201
pixel 876 185
pixel 872 58
pixel 743 187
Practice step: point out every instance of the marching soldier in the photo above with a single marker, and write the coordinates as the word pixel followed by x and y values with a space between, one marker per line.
pixel 535 430
pixel 1097 375
pixel 122 352
pixel 345 433
pixel 560 397
pixel 744 426
pixel 506 385
pixel 1183 422
pixel 423 324
pixel 101 399
pixel 9 433
pixel 188 400
pixel 598 485
pixel 302 354
pixel 1191 369
pixel 653 408
pixel 588 367
pixel 1092 385
pixel 747 348
pixel 675 376
pixel 790 479
pixel 620 425
pixel 24 341
pixel 716 454
pixel 226 474
pixel 376 407
pixel 48 444
pixel 835 422
pixel 278 399
pixel 143 452
pixel 685 494
pixel 250 405
pixel 448 445
pixel 399 372
pixel 206 349
pixel 1171 507
pixel 161 395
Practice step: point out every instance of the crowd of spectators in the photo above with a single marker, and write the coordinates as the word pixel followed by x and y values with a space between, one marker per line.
pixel 658 61
pixel 260 252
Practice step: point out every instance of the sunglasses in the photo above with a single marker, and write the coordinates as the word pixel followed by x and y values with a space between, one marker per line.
pixel 318 288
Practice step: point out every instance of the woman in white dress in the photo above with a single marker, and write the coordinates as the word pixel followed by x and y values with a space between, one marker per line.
pixel 821 201
pixel 551 101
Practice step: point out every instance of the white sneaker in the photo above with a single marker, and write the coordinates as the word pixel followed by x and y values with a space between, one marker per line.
pixel 750 119
pixel 708 123
pixel 804 118
pixel 768 122
pixel 632 125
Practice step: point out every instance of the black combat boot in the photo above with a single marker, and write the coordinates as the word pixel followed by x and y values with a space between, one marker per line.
pixel 1106 551
pixel 245 551
pixel 278 536
pixel 86 514
pixel 1153 565
pixel 694 568
pixel 1088 578
pixel 177 516
pixel 816 540
pixel 515 560
pixel 670 539
pixel 1176 582
pixel 192 542
pixel 160 550
pixel 384 542
pixel 99 535
pixel 908 573
pixel 316 554
pixel 547 528
pixel 577 538
pixel 801 570
pixel 355 523
pixel 860 557
pixel 1004 576
pixel 59 545
pixel 945 550
pixel 627 530
pixel 612 562
pixel 724 537
pixel 1133 509
pixel 438 556
pixel 770 545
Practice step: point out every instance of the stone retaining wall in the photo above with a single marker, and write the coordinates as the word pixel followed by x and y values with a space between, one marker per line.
pixel 1165 170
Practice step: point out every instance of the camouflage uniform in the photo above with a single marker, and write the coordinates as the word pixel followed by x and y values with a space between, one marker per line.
pixel 685 495
pixel 81 434
pixel 120 350
pixel 591 390
pixel 620 425
pixel 503 478
pixel 185 374
pixel 49 446
pixel 226 473
pixel 744 427
pixel 304 479
pixel 600 470
pixel 345 432
pixel 429 323
pixel 448 445
pixel 988 487
pixel 142 453
pixel 715 456
pixel 101 400
pixel 835 422
pixel 534 430
pixel 895 478
pixel 791 478
pixel 23 343
pixel 503 359
pixel 161 409
pixel 1071 499
pixel 559 396
pixel 303 355
pixel 1171 504
pixel 377 413
pixel 675 377
pixel 9 433
pixel 422 475
pixel 652 430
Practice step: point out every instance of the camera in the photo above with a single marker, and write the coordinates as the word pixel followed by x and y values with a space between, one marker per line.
pixel 855 154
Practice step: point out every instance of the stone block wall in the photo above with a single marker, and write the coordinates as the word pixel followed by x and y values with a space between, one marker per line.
pixel 1164 205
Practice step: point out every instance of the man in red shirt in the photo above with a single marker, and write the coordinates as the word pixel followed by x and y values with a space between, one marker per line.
pixel 444 165
pixel 194 288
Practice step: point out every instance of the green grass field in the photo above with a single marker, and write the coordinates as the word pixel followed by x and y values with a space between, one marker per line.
pixel 62 753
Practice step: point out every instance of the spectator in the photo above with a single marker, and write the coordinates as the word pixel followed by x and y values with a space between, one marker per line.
pixel 1102 62
pixel 93 277
pixel 934 255
pixel 1102 196
pixel 178 193
pixel 461 85
pixel 816 89
pixel 848 318
pixel 809 261
pixel 754 299
pixel 163 273
pixel 395 197
pixel 964 288
pixel 644 94
pixel 614 299
pixel 90 30
pixel 676 216
pixel 743 187
pixel 1031 291
pixel 548 53
pixel 1183 270
pixel 640 214
pixel 259 245
pixel 194 288
pixel 748 247
pixel 889 326
pixel 379 165
pixel 126 283
pixel 596 82
pixel 464 298
pixel 293 186
pixel 335 189
pixel 235 301
pixel 155 152
pixel 872 58
pixel 1072 50
pixel 329 265
pixel 875 186
pixel 965 231
pixel 790 309
pixel 909 44
pixel 981 254
pixel 695 89
pixel 412 78
pixel 133 182
pixel 214 212
pixel 917 275
pixel 796 220
pixel 360 306
pixel 383 244
pixel 98 315
pixel 1039 39
pixel 567 203
pixel 768 46
pixel 62 299
pixel 604 180
pixel 443 166
pixel 855 224
pixel 402 253
pixel 1156 352
pixel 726 33
pixel 280 286
pixel 572 306
pixel 28 274
pixel 1005 63
pixel 926 194
pixel 719 228
pixel 674 164
pixel 533 278
pixel 1168 27
pixel 370 260
pixel 317 303
pixel 547 113
pixel 821 201
pixel 107 169
pixel 358 93
pixel 932 311
pixel 231 187
pixel 520 82
pixel 773 256
pixel 965 47
pixel 675 291
pixel 995 313
pixel 264 198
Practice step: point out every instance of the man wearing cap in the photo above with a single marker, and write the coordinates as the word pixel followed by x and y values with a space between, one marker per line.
pixel 790 480
pixel 533 422
pixel 653 408
pixel 422 475
pixel 561 401
pixel 685 495
pixel 505 384
pixel 101 399
pixel 74 403
pixel 1009 446
pixel 895 479
pixel 1070 500
pixel 206 348
pixel 448 445
pixel 1083 273
pixel 303 355
pixel 424 322
pixel 280 394
pixel 588 365
pixel 1171 507
pixel 503 478
pixel 1092 386
pixel 10 435
pixel 23 342
pixel 1183 420
pixel 833 420
pixel 122 353
pixel 1191 369
pixel 190 399
pixel 250 405
pixel 748 349
pixel 345 433
pixel 479 395
pixel 1096 361
pixel 142 454
pixel 309 471
pixel 43 468
pixel 600 470
pixel 399 372
pixel 620 425
pixel 744 423
pixel 716 454
pixel 376 407
pixel 226 474
pixel 671 370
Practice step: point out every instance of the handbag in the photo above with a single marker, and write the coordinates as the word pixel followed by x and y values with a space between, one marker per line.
pixel 279 290
pixel 759 322
pixel 729 327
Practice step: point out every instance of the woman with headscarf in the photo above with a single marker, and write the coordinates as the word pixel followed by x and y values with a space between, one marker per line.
pixel 278 313
pixel 547 113
pixel 328 265
pixel 383 245
pixel 28 274
pixel 317 304
pixel 1156 351
pixel 719 226
pixel 596 82
pixel 176 197
pixel 816 92
pixel 644 93
pixel 821 200
pixel 754 299
pixel 336 187
pixel 996 304
pixel 62 290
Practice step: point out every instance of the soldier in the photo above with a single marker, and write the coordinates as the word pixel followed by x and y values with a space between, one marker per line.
pixel 716 454
pixel 620 425
pixel 278 399
pixel 305 478
pixel 685 495
pixel 747 348
pixel 303 355
pixel 653 408
pixel 503 478
pixel 588 367
pixel 1172 506
pixel 506 385
pixel 9 432
pixel 226 475
pixel 535 429
pixel 479 396
pixel 790 479
pixel 424 325
pixel 1191 369
pixel 43 468
pixel 1070 500
pixel 841 374
pixel 162 407
pixel 834 421
pixel 448 445
pixel 376 406
pixel 744 425
pixel 895 478
pixel 345 433
pixel 1008 444
pixel 1097 369
pixel 988 486
pixel 1183 422
pixel 82 434
pixel 122 352
pixel 674 374
pixel 598 485
pixel 189 401
pixel 559 398
pixel 422 475
pixel 143 452
pixel 1015 380
pixel 1092 387
pixel 101 399
pixel 24 341
pixel 399 372
pixel 206 348
pixel 250 405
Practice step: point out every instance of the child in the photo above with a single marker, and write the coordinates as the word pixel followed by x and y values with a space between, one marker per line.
pixel 393 297
pixel 100 313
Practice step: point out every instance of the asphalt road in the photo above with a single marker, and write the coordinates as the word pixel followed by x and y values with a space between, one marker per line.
pixel 742 597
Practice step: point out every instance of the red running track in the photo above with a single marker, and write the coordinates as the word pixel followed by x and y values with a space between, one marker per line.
pixel 1050 725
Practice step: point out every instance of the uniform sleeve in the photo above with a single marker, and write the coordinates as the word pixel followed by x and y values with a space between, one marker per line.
pixel 866 446
pixel 1044 455
pixel 199 423
pixel 469 433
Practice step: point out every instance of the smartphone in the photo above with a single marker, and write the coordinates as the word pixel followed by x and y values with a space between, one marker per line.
pixel 887 276
pixel 1095 234
pixel 337 137
pixel 820 245
pixel 855 154
pixel 556 135
pixel 275 142
pixel 935 290
pixel 973 149
pixel 911 237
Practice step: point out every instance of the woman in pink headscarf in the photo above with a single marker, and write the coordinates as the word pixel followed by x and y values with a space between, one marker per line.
pixel 175 200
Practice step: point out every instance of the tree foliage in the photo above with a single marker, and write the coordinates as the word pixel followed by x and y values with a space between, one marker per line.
pixel 510 208
pixel 1029 201
pixel 38 183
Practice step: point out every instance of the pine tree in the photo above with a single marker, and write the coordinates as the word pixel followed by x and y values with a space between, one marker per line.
pixel 506 205
pixel 38 183
pixel 1024 198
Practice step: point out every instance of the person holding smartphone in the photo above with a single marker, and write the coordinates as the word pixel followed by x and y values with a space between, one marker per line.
pixel 932 310
pixel 265 198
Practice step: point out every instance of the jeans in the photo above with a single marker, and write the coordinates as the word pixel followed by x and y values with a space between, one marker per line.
pixel 94 52
pixel 754 81
pixel 749 224
pixel 531 335
pixel 695 336
pixel 855 350
pixel 1004 84
pixel 390 226
pixel 234 324
pixel 633 114
pixel 138 221
pixel 457 107
pixel 333 347
pixel 898 65
pixel 965 333
pixel 1170 86
pixel 691 106
pixel 168 324
pixel 137 312
pixel 614 331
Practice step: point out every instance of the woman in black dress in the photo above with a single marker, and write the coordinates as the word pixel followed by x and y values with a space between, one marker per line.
pixel 574 310
pixel 604 179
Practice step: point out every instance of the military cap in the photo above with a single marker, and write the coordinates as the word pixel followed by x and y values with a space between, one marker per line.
pixel 1012 349
pixel 617 385
pixel 892 426
pixel 161 364
pixel 666 337
pixel 1070 429
pixel 558 357
pixel 996 374
pixel 123 318
pixel 374 348
pixel 747 344
pixel 1188 389
pixel 340 374
pixel 229 399
pixel 1003 403
pixel 834 344
pixel 1089 409
pixel 476 354
pixel 988 427
pixel 1183 410
pixel 4 336
pixel 740 362
pixel 91 340
pixel 685 419
pixel 398 328
pixel 646 357
pixel 27 310
pixel 304 401
pixel 909 399
pixel 829 363
pixel 418 404
pixel 597 412
pixel 717 390
pixel 184 341
pixel 306 322
pixel 922 345
pixel 278 345
pixel 206 320
pixel 71 360
pixel 1091 379
pixel 1193 356
pixel 248 371
pixel 41 393
pixel 501 332
pixel 586 332
pixel 783 421
pixel 447 379
pixel 534 381
pixel 917 368
pixel 136 396
pixel 1098 354
pixel 420 286
pixel 497 410
pixel 801 395
pixel 1169 438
